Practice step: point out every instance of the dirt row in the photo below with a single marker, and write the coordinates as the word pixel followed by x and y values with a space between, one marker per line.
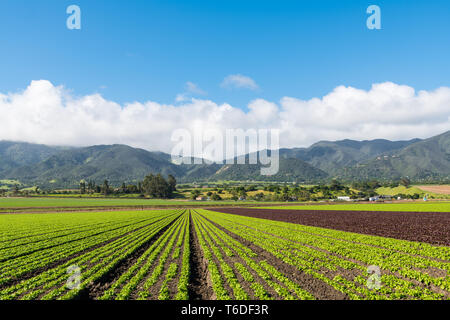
pixel 318 288
pixel 429 227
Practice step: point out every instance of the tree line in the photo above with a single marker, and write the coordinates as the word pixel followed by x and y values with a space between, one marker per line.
pixel 155 186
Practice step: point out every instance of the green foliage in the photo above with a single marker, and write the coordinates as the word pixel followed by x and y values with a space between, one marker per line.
pixel 158 187
pixel 246 258
pixel 422 161
pixel 320 253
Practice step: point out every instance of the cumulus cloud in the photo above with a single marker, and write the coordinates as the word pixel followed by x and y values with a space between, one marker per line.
pixel 239 81
pixel 49 114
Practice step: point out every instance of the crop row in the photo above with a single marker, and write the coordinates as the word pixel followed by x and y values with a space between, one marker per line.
pixel 93 264
pixel 47 253
pixel 340 259
pixel 150 267
pixel 151 254
pixel 238 272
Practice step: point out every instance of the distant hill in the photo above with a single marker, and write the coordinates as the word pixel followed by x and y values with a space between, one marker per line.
pixel 349 160
pixel 421 161
pixel 331 157
pixel 290 170
pixel 117 163
pixel 18 154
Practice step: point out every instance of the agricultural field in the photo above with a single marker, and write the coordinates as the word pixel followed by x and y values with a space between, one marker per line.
pixel 416 206
pixel 439 189
pixel 32 202
pixel 199 254
pixel 432 191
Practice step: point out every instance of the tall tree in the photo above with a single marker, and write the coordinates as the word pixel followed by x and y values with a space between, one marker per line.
pixel 105 188
pixel 195 193
pixel 82 187
pixel 172 183
pixel 157 186
pixel 405 182
pixel 147 184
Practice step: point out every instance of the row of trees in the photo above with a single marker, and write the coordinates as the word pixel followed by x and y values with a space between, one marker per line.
pixel 155 186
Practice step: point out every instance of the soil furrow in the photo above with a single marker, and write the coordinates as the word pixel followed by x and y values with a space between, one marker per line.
pixel 96 289
pixel 200 285
pixel 429 227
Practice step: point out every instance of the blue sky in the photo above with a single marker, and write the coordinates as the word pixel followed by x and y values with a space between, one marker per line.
pixel 148 50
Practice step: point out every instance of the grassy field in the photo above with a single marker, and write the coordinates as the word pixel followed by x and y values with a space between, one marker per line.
pixel 84 202
pixel 152 255
pixel 10 182
pixel 411 206
pixel 437 192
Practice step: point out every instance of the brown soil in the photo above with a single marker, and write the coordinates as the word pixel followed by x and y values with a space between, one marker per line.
pixel 429 227
pixel 200 285
pixel 444 189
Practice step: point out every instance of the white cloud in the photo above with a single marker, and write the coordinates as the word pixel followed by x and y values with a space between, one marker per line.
pixel 181 97
pixel 191 89
pixel 48 114
pixel 239 81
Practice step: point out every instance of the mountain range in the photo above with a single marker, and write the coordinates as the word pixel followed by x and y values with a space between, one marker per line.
pixel 348 160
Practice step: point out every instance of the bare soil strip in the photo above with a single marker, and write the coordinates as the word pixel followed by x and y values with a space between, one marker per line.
pixel 443 189
pixel 429 227
pixel 200 285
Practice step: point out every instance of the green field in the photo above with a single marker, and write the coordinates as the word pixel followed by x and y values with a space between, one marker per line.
pixel 9 182
pixel 409 191
pixel 83 202
pixel 415 206
pixel 150 255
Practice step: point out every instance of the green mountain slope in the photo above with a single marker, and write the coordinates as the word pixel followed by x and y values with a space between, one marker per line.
pixel 117 163
pixel 17 154
pixel 290 170
pixel 421 161
pixel 332 156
